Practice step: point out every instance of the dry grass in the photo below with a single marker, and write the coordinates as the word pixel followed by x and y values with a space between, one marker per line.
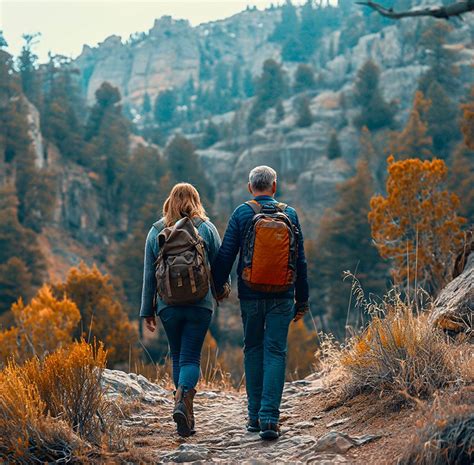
pixel 55 409
pixel 445 437
pixel 398 354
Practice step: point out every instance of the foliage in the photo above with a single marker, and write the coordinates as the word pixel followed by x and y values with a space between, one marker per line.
pixel 304 116
pixel 27 63
pixel 41 327
pixel 334 148
pixel 165 106
pixel 304 79
pixel 467 125
pixel 55 409
pixel 102 315
pixel 22 264
pixel 375 112
pixel 211 135
pixel 287 25
pixel 413 140
pixel 416 225
pixel 184 166
pixel 446 436
pixel 398 354
pixel 461 179
pixel 279 112
pixel 344 243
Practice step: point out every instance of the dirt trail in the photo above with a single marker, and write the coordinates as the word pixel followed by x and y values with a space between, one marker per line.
pixel 221 436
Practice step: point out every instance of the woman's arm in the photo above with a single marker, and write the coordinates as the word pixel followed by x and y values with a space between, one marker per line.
pixel 149 281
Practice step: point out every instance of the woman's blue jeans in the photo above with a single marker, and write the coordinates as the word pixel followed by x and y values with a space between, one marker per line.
pixel 266 323
pixel 186 328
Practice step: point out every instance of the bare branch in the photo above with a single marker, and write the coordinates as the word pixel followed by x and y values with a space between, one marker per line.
pixel 444 12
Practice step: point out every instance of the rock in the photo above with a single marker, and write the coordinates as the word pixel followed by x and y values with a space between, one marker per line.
pixel 453 309
pixel 132 386
pixel 338 422
pixel 340 443
pixel 186 453
pixel 304 424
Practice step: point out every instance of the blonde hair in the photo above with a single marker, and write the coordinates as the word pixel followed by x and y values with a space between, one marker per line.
pixel 183 200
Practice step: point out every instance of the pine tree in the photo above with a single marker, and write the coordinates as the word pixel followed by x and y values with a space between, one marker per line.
pixel 279 112
pixel 211 135
pixel 375 112
pixel 288 24
pixel 293 50
pixel 304 79
pixel 441 118
pixel 236 87
pixel 461 180
pixel 248 84
pixel 413 141
pixel 165 106
pixel 184 166
pixel 27 63
pixel 334 148
pixel 15 282
pixel 344 244
pixel 467 124
pixel 304 117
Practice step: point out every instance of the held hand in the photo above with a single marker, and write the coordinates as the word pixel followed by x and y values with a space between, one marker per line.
pixel 150 322
pixel 224 293
pixel 301 308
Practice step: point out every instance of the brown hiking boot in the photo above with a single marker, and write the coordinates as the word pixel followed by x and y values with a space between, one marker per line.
pixel 183 413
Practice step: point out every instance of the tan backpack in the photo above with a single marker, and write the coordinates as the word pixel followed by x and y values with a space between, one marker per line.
pixel 182 268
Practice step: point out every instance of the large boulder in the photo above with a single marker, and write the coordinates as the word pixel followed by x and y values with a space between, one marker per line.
pixel 453 310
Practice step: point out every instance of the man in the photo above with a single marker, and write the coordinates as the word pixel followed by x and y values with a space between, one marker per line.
pixel 266 314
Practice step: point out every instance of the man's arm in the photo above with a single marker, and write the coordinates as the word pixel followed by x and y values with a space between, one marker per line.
pixel 301 285
pixel 149 281
pixel 227 254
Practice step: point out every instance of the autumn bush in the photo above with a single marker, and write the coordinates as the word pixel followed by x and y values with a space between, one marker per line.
pixel 445 437
pixel 416 225
pixel 398 354
pixel 40 327
pixel 102 315
pixel 54 409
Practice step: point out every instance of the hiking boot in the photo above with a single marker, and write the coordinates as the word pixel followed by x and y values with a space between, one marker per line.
pixel 183 413
pixel 253 426
pixel 269 431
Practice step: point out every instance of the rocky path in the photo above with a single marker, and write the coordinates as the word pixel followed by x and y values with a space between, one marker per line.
pixel 221 436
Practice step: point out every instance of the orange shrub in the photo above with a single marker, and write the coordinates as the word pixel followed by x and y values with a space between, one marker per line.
pixel 42 326
pixel 416 225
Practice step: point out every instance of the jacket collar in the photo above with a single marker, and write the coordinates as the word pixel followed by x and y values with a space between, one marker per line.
pixel 263 197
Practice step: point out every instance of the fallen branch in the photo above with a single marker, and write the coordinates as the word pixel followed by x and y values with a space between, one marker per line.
pixel 444 12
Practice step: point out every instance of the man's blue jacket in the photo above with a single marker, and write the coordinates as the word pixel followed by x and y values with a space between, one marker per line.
pixel 232 244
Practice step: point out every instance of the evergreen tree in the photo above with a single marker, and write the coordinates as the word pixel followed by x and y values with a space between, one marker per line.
pixel 27 63
pixel 413 141
pixel 279 112
pixel 293 50
pixel 61 109
pixel 184 166
pixel 344 243
pixel 288 24
pixel 236 87
pixel 309 30
pixel 375 112
pixel 304 118
pixel 107 133
pixel 15 283
pixel 165 106
pixel 304 79
pixel 461 180
pixel 221 77
pixel 334 148
pixel 146 105
pixel 441 119
pixel 439 58
pixel 211 135
pixel 248 84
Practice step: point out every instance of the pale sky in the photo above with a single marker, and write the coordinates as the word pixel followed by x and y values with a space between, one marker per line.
pixel 65 25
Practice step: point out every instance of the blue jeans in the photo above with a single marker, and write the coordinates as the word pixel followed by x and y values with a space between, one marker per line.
pixel 186 328
pixel 266 323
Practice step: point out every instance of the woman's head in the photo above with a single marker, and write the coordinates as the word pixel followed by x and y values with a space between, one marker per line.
pixel 183 201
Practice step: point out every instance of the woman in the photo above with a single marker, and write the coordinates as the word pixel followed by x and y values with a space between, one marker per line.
pixel 185 325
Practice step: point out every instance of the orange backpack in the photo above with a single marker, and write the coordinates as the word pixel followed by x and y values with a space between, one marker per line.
pixel 270 249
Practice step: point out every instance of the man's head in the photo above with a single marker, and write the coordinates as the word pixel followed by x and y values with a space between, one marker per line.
pixel 262 181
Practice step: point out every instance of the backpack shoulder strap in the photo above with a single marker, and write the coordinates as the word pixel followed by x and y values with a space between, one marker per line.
pixel 255 206
pixel 281 206
pixel 197 222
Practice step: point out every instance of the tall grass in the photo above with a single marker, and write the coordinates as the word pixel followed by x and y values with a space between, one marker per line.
pixel 55 409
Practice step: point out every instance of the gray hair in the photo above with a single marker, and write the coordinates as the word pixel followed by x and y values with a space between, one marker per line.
pixel 261 178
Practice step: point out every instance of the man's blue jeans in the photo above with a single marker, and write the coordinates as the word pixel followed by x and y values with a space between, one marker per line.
pixel 266 323
pixel 186 328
